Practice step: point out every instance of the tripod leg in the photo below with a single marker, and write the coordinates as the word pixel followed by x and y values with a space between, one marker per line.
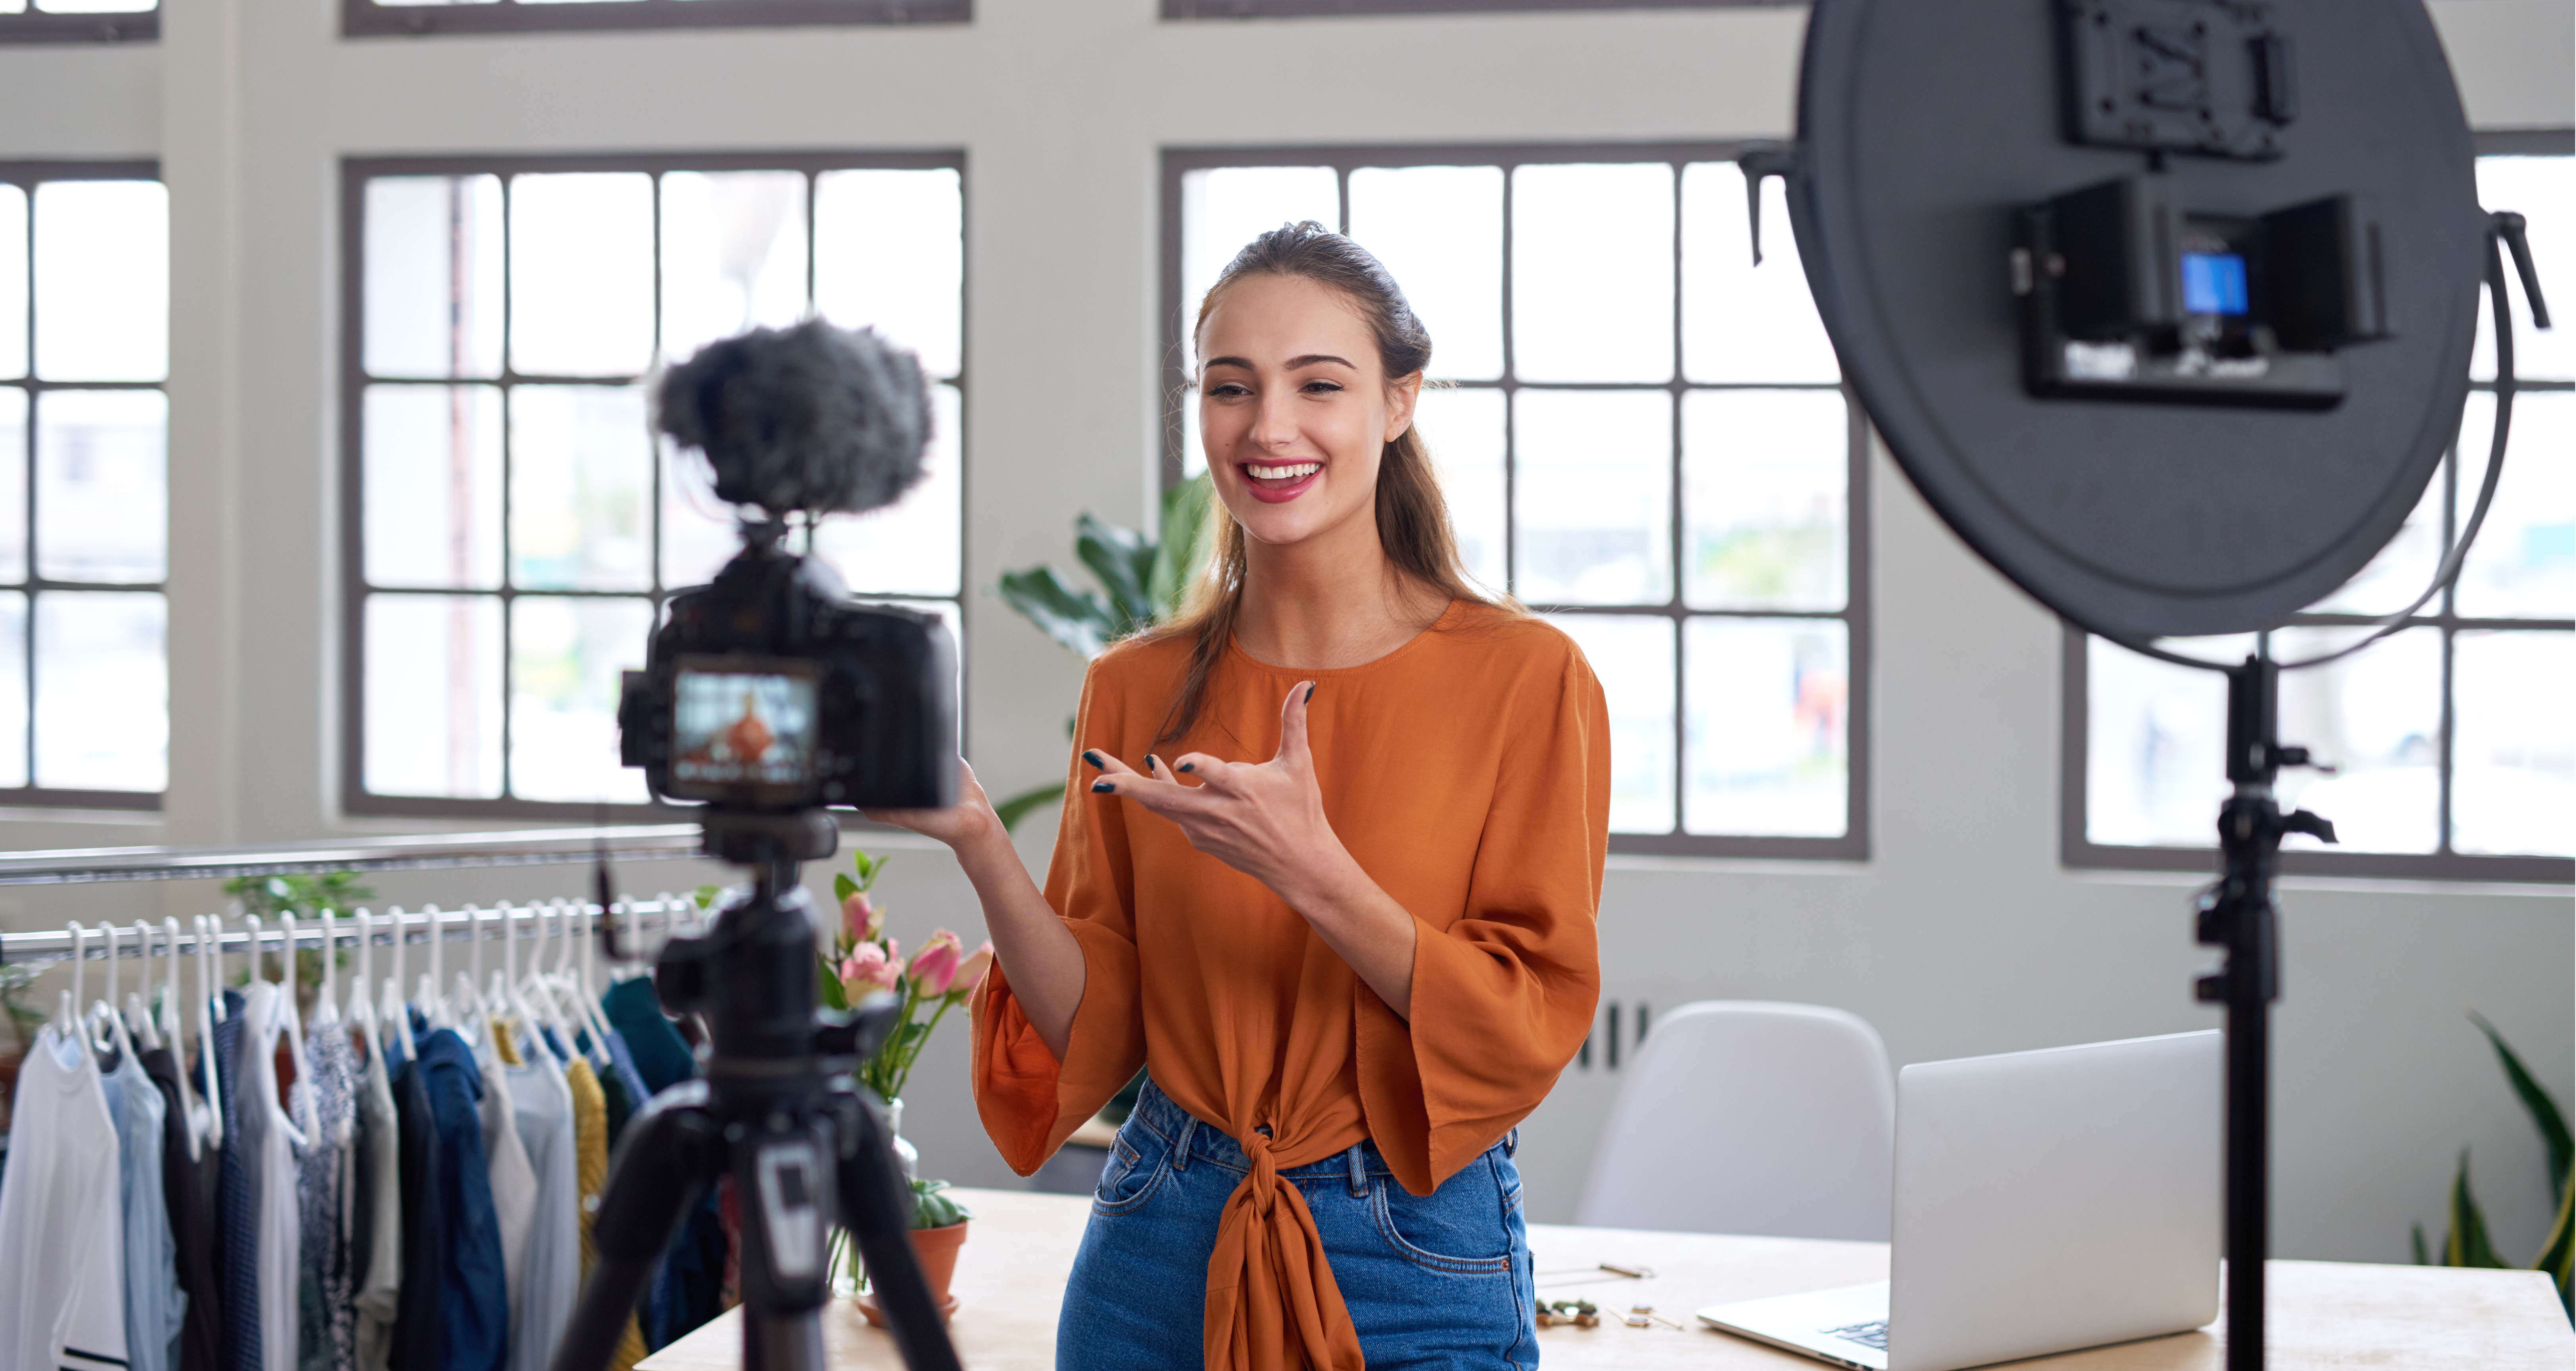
pixel 876 1206
pixel 670 1155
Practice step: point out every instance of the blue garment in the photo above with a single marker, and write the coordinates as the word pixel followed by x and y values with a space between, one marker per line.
pixel 326 1323
pixel 621 1059
pixel 237 1200
pixel 475 1308
pixel 155 1307
pixel 1431 1281
pixel 661 1054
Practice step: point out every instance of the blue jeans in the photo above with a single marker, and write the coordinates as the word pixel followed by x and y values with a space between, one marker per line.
pixel 1436 1281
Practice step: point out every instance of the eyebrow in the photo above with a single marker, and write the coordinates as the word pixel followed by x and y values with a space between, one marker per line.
pixel 1310 359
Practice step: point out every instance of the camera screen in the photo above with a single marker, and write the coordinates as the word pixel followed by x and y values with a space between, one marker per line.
pixel 734 727
pixel 2213 283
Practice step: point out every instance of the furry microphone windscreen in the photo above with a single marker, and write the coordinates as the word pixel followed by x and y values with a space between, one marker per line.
pixel 812 417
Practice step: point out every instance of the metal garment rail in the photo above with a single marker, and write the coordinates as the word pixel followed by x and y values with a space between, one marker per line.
pixel 542 922
pixel 532 847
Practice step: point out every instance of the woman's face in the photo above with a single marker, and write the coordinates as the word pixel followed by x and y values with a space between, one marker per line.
pixel 1294 407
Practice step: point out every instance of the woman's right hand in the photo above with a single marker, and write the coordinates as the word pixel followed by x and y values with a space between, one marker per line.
pixel 965 824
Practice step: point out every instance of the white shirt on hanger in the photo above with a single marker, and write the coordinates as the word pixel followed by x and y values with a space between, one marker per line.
pixel 62 1224
pixel 265 1127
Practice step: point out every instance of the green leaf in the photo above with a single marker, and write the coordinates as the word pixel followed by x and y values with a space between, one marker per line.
pixel 933 1207
pixel 706 894
pixel 2544 1111
pixel 828 985
pixel 842 886
pixel 2558 1254
pixel 2422 1257
pixel 1122 559
pixel 1075 618
pixel 1027 802
pixel 2468 1244
pixel 1176 558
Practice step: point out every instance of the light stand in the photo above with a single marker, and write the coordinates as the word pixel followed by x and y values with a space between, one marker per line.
pixel 779 1112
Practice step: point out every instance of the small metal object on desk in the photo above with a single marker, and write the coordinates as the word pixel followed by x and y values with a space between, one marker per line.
pixel 1640 1314
pixel 1590 1275
pixel 1580 1313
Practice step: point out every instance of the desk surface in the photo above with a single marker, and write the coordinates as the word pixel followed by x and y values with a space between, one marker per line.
pixel 1011 1274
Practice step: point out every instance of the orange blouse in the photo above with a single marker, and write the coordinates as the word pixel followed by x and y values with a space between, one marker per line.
pixel 1469 773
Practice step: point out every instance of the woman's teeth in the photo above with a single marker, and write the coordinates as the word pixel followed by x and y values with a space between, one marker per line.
pixel 1291 472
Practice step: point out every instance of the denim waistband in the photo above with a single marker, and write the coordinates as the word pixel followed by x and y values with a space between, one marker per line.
pixel 1194 1140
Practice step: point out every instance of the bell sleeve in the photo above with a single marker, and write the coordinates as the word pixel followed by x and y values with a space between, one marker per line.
pixel 1029 1102
pixel 1504 993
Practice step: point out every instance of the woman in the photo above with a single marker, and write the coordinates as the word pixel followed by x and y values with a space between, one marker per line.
pixel 1328 867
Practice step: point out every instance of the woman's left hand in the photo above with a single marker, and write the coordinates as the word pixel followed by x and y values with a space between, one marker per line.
pixel 1264 819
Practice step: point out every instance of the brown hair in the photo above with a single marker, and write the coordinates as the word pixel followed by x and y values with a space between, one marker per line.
pixel 1412 518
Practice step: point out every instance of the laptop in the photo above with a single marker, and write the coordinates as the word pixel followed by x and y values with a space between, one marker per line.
pixel 2044 1201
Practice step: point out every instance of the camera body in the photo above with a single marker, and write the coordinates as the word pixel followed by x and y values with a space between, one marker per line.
pixel 769 691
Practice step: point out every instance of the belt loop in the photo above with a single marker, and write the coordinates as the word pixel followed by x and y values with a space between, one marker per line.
pixel 1359 1170
pixel 1181 1143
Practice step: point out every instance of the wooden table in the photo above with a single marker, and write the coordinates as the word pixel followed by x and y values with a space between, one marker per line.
pixel 1010 1280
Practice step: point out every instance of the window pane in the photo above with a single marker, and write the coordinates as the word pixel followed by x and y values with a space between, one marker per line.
pixel 1439 230
pixel 101 487
pixel 2513 787
pixel 434 695
pixel 1594 496
pixel 13 281
pixel 911 546
pixel 1464 430
pixel 2156 751
pixel 580 488
pixel 1741 322
pixel 1224 208
pixel 1766 477
pixel 102 691
pixel 2377 716
pixel 581 274
pixel 2524 563
pixel 1592 272
pixel 13 484
pixel 565 660
pixel 1633 656
pixel 697 528
pixel 13 688
pixel 1769 733
pixel 890 251
pixel 102 280
pixel 433 486
pixel 733 255
pixel 433 268
pixel 2543 190
pixel 2404 567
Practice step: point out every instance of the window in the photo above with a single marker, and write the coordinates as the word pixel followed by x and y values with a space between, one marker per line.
pixel 513 527
pixel 2455 744
pixel 1640 433
pixel 84 349
pixel 360 18
pixel 79 21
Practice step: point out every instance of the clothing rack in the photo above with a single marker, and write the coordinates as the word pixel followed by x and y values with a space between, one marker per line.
pixel 530 847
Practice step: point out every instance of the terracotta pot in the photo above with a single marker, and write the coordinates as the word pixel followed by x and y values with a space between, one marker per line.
pixel 936 1250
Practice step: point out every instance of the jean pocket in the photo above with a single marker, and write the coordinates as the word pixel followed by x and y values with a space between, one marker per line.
pixel 1458 1229
pixel 1131 1175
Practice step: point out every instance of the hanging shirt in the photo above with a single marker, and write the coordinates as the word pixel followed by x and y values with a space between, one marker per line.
pixel 326 1336
pixel 62 1228
pixel 1468 773
pixel 550 1273
pixel 377 1248
pixel 420 1320
pixel 474 1306
pixel 629 1082
pixel 269 1146
pixel 155 1307
pixel 237 1199
pixel 188 1188
pixel 513 1180
pixel 662 1056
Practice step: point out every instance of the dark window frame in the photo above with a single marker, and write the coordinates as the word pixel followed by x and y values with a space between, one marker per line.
pixel 367 19
pixel 355 172
pixel 1345 9
pixel 27 175
pixel 2076 847
pixel 36 26
pixel 1854 843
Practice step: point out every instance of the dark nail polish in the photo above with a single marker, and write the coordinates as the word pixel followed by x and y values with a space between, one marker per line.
pixel 1094 758
pixel 1310 694
pixel 1103 788
pixel 1189 766
pixel 1153 763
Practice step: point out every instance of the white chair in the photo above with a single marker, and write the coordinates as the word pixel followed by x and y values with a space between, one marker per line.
pixel 1740 1116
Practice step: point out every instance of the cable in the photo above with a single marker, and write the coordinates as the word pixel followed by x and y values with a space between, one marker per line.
pixel 2502 228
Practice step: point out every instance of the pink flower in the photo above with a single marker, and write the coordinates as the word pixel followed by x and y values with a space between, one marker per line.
pixel 868 966
pixel 970 972
pixel 935 966
pixel 860 920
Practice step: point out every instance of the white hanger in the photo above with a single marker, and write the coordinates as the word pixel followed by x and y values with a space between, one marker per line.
pixel 294 1016
pixel 394 1008
pixel 170 992
pixel 361 1009
pixel 104 1012
pixel 432 1002
pixel 66 1015
pixel 215 995
pixel 326 1005
pixel 138 1014
pixel 209 933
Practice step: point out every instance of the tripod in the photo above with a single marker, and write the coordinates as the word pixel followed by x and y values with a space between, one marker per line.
pixel 778 1113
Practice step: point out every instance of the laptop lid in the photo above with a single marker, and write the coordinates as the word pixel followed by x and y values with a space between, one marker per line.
pixel 2056 1199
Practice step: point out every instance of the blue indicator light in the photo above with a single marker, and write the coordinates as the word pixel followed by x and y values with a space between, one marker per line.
pixel 2213 283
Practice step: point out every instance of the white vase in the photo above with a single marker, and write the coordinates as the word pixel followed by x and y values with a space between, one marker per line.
pixel 904 1152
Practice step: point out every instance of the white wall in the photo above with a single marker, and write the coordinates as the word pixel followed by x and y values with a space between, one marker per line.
pixel 1962 934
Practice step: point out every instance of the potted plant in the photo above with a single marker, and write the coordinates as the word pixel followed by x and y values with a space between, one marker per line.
pixel 862 960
